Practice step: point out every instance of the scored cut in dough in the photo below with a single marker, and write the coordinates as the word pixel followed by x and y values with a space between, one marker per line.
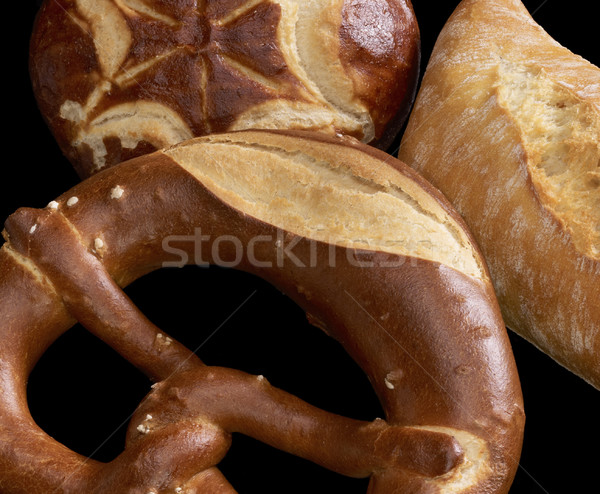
pixel 347 199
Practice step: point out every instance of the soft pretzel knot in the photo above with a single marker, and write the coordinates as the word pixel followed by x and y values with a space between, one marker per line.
pixel 375 256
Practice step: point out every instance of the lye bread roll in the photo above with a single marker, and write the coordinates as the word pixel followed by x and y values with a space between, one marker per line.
pixel 507 125
pixel 118 78
pixel 371 252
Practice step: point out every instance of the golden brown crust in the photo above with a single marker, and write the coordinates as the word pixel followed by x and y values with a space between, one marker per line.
pixel 430 338
pixel 115 80
pixel 506 125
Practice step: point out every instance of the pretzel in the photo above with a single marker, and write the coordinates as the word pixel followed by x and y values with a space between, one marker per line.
pixel 406 293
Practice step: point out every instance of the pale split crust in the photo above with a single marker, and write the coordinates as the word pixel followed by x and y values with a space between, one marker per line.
pixel 468 397
pixel 507 126
pixel 336 195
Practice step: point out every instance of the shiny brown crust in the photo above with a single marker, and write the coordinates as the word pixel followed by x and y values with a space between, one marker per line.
pixel 117 79
pixel 383 50
pixel 507 125
pixel 430 339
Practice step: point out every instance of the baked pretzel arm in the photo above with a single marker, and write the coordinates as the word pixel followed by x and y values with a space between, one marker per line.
pixel 429 337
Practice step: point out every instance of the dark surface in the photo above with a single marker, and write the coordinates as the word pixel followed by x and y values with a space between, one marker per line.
pixel 83 394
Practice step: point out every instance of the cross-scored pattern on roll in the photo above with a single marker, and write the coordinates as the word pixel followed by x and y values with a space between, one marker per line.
pixel 118 78
pixel 422 322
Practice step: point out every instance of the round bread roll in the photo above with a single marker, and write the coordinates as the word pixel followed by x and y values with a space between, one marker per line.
pixel 116 79
pixel 375 256
pixel 507 125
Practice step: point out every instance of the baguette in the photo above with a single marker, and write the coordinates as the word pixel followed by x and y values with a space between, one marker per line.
pixel 507 124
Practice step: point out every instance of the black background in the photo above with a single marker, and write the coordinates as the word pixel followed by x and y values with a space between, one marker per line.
pixel 82 393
